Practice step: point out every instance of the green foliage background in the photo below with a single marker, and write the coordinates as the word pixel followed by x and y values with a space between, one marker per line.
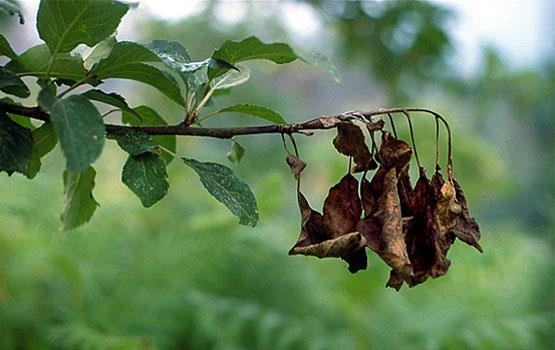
pixel 184 274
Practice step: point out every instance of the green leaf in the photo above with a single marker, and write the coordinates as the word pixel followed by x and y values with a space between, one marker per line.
pixel 145 116
pixel 145 175
pixel 322 62
pixel 44 141
pixel 79 203
pixel 236 152
pixel 133 142
pixel 232 78
pixel 65 24
pixel 170 52
pixel 111 98
pixel 221 182
pixel 250 49
pixel 10 8
pixel 35 60
pixel 16 145
pixel 99 52
pixel 5 48
pixel 126 61
pixel 257 111
pixel 80 129
pixel 11 84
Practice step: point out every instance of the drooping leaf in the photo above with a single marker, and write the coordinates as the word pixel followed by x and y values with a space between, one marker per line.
pixel 221 182
pixel 446 210
pixel 126 61
pixel 250 49
pixel 394 152
pixel 44 141
pixel 65 24
pixel 144 116
pixel 35 61
pixel 257 111
pixel 370 192
pixel 145 175
pixel 236 152
pixel 99 52
pixel 342 207
pixel 466 229
pixel 321 62
pixel 336 247
pixel 12 84
pixel 133 142
pixel 79 203
pixel 296 165
pixel 5 48
pixel 350 142
pixel 232 78
pixel 16 146
pixel 111 98
pixel 10 8
pixel 81 131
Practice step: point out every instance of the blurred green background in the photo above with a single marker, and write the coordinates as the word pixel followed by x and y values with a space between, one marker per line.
pixel 185 275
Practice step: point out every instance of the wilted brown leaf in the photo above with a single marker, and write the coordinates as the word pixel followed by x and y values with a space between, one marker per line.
pixel 393 248
pixel 393 152
pixel 350 142
pixel 405 191
pixel 296 165
pixel 466 229
pixel 446 210
pixel 342 207
pixel 370 191
pixel 336 247
pixel 312 224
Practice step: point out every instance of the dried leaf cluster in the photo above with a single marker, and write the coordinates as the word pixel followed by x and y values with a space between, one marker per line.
pixel 410 228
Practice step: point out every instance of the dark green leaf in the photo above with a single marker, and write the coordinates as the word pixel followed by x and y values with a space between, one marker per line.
pixel 99 52
pixel 16 146
pixel 80 129
pixel 65 24
pixel 322 62
pixel 11 7
pixel 126 62
pixel 79 203
pixel 35 60
pixel 133 142
pixel 44 141
pixel 236 152
pixel 257 111
pixel 146 176
pixel 5 48
pixel 11 84
pixel 112 99
pixel 221 182
pixel 145 116
pixel 250 49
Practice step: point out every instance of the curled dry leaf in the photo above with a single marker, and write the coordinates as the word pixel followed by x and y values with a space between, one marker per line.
pixel 446 210
pixel 342 207
pixel 296 165
pixel 337 247
pixel 466 229
pixel 393 152
pixel 370 192
pixel 393 248
pixel 350 142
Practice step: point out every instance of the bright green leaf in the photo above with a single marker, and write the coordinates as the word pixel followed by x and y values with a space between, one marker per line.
pixel 79 203
pixel 64 24
pixel 99 52
pixel 133 142
pixel 250 49
pixel 236 152
pixel 5 48
pixel 16 146
pixel 111 98
pixel 80 128
pixel 126 61
pixel 145 175
pixel 145 116
pixel 234 193
pixel 232 78
pixel 257 111
pixel 170 52
pixel 12 84
pixel 10 8
pixel 35 60
pixel 322 62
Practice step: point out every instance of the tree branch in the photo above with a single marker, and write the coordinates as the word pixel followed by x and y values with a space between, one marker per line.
pixel 320 123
